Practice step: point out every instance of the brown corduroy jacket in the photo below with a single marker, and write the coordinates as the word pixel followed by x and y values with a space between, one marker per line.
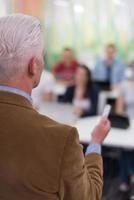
pixel 41 159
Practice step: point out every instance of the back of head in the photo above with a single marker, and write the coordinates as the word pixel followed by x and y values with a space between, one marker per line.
pixel 20 40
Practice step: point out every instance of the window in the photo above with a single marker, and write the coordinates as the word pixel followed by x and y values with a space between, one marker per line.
pixel 3 7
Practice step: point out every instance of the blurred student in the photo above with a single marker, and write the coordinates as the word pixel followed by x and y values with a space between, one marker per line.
pixel 83 95
pixel 110 69
pixel 65 69
pixel 45 90
pixel 125 105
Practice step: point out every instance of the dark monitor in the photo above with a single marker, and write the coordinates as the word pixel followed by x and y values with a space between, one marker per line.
pixel 103 85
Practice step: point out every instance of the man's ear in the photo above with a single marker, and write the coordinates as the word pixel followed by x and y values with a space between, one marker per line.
pixel 32 67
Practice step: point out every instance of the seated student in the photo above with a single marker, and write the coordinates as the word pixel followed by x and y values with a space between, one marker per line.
pixel 125 105
pixel 65 69
pixel 110 69
pixel 83 95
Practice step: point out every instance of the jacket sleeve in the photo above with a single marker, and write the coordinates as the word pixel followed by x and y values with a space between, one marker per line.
pixel 81 177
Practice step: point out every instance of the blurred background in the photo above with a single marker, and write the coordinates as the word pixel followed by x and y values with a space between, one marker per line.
pixel 86 26
pixel 89 62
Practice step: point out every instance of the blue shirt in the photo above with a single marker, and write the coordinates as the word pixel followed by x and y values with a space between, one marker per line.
pixel 94 148
pixel 100 72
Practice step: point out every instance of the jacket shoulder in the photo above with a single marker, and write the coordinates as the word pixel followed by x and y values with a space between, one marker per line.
pixel 54 126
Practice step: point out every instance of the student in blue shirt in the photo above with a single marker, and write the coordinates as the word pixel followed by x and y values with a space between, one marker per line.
pixel 110 69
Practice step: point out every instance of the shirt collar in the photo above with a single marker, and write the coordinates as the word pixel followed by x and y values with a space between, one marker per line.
pixel 16 91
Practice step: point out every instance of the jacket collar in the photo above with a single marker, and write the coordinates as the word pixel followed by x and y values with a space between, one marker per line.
pixel 14 99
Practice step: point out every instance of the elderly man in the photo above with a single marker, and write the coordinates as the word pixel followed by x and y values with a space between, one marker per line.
pixel 40 159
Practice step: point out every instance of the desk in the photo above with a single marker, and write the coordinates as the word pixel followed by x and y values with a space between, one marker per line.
pixel 116 137
pixel 60 112
pixel 63 113
pixel 59 89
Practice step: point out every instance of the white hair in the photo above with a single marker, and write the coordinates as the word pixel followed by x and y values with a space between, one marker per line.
pixel 20 40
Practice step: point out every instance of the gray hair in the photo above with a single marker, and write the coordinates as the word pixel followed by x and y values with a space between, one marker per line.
pixel 20 40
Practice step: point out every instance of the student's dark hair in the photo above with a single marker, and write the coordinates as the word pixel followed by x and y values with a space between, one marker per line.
pixel 89 79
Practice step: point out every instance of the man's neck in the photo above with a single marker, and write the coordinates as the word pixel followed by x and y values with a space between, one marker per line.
pixel 68 62
pixel 110 61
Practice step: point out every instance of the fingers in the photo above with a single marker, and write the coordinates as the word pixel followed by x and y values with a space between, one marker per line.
pixel 105 123
pixel 104 120
pixel 101 131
